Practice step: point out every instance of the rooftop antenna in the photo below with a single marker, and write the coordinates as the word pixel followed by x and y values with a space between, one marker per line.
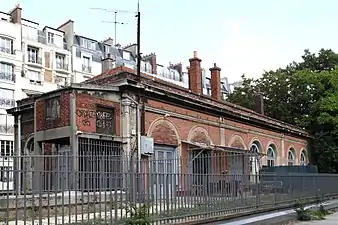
pixel 115 21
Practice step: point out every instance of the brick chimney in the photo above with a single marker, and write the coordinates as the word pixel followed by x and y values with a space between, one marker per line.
pixel 195 74
pixel 16 14
pixel 216 92
pixel 107 63
pixel 151 58
pixel 259 103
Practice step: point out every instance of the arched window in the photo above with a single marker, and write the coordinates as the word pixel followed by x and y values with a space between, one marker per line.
pixel 271 155
pixel 303 158
pixel 255 149
pixel 291 157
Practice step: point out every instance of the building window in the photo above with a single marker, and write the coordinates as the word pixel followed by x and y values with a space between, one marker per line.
pixel 126 55
pixel 7 148
pixel 7 72
pixel 61 62
pixel 50 37
pixel 6 45
pixel 105 120
pixel 271 155
pixel 86 65
pixel 106 49
pixel 87 44
pixel 53 108
pixel 291 157
pixel 6 98
pixel 33 55
pixel 33 76
pixel 6 124
pixel 303 158
pixel 255 149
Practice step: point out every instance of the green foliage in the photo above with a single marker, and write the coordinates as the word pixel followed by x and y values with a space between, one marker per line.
pixel 309 214
pixel 138 215
pixel 304 94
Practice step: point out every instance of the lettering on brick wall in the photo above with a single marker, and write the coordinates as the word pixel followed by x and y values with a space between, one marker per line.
pixel 103 119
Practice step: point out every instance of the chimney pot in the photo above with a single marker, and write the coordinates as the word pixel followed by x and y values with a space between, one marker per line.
pixel 215 82
pixel 195 75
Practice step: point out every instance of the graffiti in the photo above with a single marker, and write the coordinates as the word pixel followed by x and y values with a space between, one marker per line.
pixel 104 120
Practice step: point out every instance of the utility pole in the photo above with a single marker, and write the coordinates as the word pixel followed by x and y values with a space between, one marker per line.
pixel 138 40
pixel 115 21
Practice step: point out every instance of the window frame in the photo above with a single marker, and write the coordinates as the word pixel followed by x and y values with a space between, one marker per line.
pixel 50 38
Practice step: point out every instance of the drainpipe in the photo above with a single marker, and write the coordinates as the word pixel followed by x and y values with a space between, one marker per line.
pixel 18 154
pixel 138 127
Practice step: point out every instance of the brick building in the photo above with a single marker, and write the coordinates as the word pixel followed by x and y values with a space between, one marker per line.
pixel 99 117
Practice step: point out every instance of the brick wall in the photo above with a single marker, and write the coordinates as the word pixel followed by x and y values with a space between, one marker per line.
pixel 86 106
pixel 184 124
pixel 43 124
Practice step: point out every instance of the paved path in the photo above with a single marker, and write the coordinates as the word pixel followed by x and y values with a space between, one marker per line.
pixel 330 220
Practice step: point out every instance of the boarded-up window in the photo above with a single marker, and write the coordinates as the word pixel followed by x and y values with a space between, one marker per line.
pixel 53 108
pixel 105 120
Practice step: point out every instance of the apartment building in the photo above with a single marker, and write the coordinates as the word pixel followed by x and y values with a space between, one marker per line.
pixel 10 69
pixel 32 61
pixel 46 59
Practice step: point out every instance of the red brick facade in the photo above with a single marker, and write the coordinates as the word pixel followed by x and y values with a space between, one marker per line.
pixel 85 112
pixel 44 124
pixel 188 125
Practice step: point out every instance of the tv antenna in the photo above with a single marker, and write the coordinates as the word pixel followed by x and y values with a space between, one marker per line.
pixel 115 21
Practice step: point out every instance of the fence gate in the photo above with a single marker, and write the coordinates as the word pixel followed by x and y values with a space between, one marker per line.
pixel 64 167
pixel 100 164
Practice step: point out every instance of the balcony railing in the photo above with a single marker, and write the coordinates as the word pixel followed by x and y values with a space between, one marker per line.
pixel 6 102
pixel 87 69
pixel 62 66
pixel 36 60
pixel 6 50
pixel 7 76
pixel 6 128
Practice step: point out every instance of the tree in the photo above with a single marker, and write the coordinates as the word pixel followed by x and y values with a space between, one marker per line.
pixel 304 94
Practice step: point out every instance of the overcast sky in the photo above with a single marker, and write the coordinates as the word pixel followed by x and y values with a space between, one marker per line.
pixel 242 36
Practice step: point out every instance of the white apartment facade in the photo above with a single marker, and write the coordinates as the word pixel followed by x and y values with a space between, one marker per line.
pixel 10 68
pixel 32 61
pixel 86 53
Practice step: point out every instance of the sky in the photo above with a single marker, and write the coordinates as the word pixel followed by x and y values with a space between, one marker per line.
pixel 240 36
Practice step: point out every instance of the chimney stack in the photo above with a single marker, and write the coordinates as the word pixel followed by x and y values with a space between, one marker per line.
pixel 16 14
pixel 195 74
pixel 216 92
pixel 177 67
pixel 259 103
pixel 151 58
pixel 107 63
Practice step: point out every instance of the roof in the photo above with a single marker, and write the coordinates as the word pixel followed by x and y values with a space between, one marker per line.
pixel 227 107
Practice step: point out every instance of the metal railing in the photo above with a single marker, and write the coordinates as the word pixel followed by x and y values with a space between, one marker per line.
pixel 6 50
pixel 87 69
pixel 7 102
pixel 5 76
pixel 62 66
pixel 36 60
pixel 7 128
pixel 58 188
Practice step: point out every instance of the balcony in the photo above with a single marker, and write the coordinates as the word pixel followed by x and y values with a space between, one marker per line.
pixel 6 102
pixel 7 76
pixel 6 128
pixel 6 50
pixel 62 67
pixel 35 61
pixel 86 69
